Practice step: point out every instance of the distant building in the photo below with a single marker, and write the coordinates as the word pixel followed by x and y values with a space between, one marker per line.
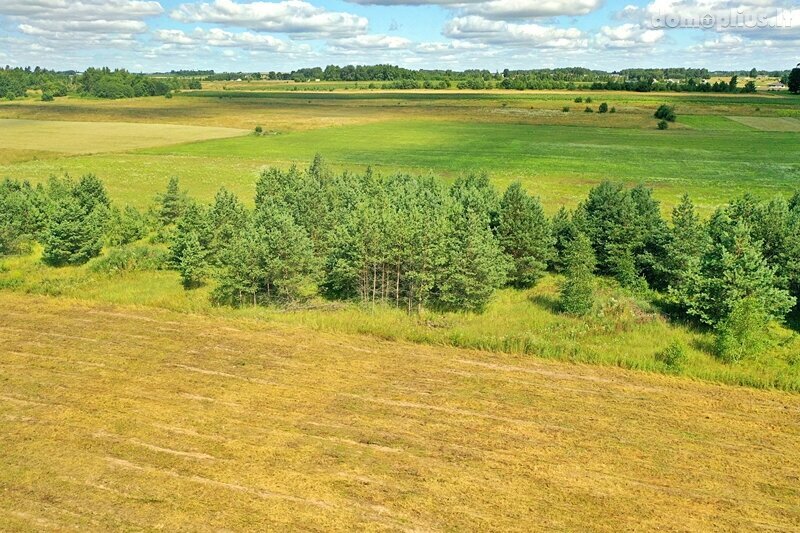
pixel 777 86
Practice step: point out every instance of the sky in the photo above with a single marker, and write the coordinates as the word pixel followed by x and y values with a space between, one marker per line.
pixel 282 35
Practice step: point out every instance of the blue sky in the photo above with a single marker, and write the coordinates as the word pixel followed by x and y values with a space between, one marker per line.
pixel 243 35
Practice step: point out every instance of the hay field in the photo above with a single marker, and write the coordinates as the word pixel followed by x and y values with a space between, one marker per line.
pixel 134 418
pixel 67 137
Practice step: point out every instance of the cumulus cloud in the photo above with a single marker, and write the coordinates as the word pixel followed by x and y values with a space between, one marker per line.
pixel 502 9
pixel 88 22
pixel 225 39
pixel 287 16
pixel 496 32
pixel 628 36
pixel 371 42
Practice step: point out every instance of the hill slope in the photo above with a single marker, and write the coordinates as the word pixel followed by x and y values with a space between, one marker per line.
pixel 115 417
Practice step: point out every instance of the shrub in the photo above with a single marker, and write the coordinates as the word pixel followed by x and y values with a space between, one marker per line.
pixel 47 97
pixel 674 356
pixel 565 109
pixel 743 332
pixel 663 124
pixel 588 110
pixel 168 95
pixel 259 130
pixel 579 100
pixel 603 108
pixel 588 99
pixel 129 259
pixel 613 110
pixel 666 112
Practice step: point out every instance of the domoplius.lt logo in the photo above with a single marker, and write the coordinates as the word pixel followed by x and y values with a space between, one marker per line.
pixel 739 19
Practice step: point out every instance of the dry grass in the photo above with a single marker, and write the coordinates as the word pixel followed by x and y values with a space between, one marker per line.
pixel 93 137
pixel 133 418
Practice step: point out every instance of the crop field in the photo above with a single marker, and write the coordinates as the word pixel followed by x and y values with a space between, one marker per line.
pixel 119 417
pixel 721 145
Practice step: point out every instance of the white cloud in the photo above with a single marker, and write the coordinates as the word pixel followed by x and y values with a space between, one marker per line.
pixel 371 42
pixel 628 36
pixel 512 9
pixel 495 32
pixel 83 22
pixel 224 39
pixel 287 16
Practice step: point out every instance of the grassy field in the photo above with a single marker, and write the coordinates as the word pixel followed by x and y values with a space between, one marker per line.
pixel 721 146
pixel 138 419
pixel 624 330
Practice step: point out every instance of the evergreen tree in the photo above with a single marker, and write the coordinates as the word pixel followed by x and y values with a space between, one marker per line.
pixel 193 224
pixel 171 203
pixel 688 240
pixel 525 235
pixel 192 265
pixel 272 260
pixel 227 217
pixel 474 263
pixel 577 291
pixel 21 218
pixel 651 256
pixel 731 270
pixel 125 226
pixel 73 236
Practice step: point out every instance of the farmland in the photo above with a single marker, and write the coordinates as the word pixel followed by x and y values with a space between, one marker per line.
pixel 135 418
pixel 131 399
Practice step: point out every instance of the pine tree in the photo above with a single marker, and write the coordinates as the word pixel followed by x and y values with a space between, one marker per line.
pixel 73 236
pixel 272 260
pixel 688 241
pixel 577 291
pixel 125 226
pixel 21 218
pixel 731 270
pixel 192 265
pixel 172 203
pixel 474 264
pixel 525 235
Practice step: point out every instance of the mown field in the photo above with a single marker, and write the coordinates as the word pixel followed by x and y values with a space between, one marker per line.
pixel 120 417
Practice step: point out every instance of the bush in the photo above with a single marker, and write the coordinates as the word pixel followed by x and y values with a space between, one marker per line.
pixel 674 356
pixel 662 125
pixel 743 332
pixel 603 108
pixel 613 110
pixel 579 100
pixel 588 110
pixel 589 100
pixel 130 259
pixel 565 109
pixel 168 95
pixel 47 97
pixel 666 112
pixel 259 130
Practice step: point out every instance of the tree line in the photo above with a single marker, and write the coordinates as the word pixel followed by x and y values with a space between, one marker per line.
pixel 95 82
pixel 414 243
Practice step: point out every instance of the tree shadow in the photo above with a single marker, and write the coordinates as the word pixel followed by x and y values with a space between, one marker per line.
pixel 548 302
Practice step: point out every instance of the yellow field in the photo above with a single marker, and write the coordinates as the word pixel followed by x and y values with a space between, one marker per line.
pixel 65 137
pixel 135 418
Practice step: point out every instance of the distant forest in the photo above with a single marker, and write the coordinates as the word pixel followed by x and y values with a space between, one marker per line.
pixel 95 82
pixel 394 77
pixel 119 83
